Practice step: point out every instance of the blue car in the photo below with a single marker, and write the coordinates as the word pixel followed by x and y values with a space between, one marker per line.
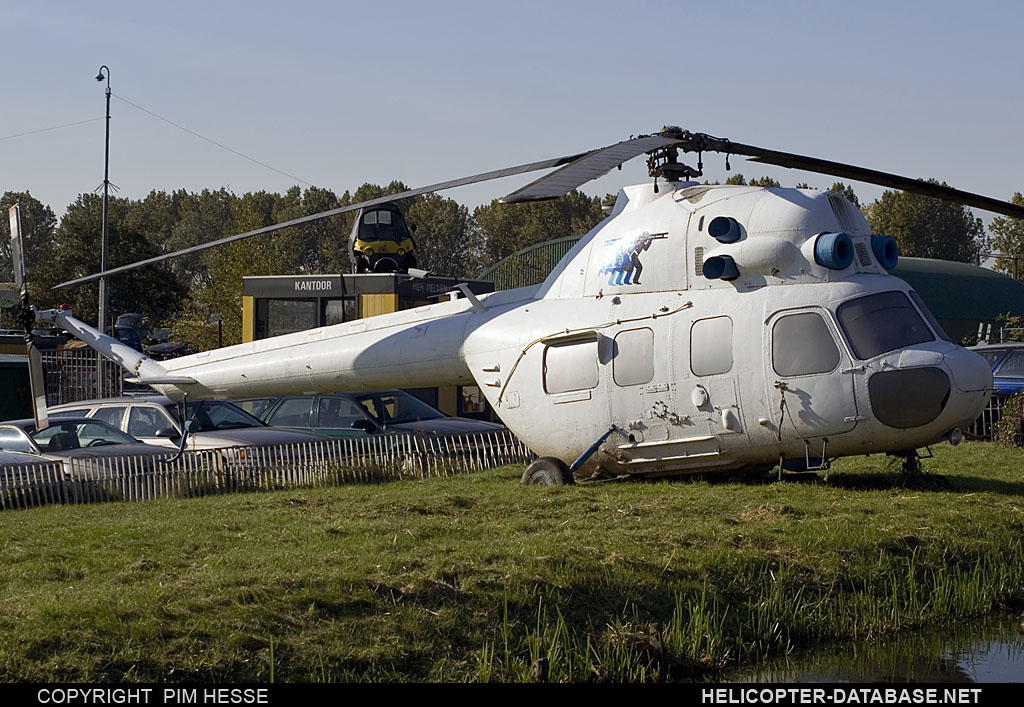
pixel 1007 361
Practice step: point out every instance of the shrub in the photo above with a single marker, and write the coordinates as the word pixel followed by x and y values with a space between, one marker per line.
pixel 1010 428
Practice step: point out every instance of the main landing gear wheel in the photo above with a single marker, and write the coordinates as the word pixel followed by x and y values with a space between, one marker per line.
pixel 547 471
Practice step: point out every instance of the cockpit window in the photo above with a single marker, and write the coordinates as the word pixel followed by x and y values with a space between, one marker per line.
pixel 880 323
pixel 929 316
pixel 382 225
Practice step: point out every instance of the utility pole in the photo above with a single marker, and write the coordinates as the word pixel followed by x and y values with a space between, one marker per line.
pixel 104 73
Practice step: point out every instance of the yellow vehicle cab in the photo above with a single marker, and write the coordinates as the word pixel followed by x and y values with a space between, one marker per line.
pixel 381 242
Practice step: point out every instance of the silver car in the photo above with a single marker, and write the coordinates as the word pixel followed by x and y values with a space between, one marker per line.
pixel 158 420
pixel 77 442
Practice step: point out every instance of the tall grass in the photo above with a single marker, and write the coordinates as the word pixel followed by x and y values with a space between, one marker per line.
pixel 475 577
pixel 703 634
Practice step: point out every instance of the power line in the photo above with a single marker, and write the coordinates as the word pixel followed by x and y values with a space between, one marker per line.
pixel 212 142
pixel 55 127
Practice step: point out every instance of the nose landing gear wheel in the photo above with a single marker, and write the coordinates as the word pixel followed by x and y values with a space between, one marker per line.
pixel 547 471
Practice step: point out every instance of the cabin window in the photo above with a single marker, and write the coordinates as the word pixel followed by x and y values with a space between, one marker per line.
pixel 880 323
pixel 570 366
pixel 634 357
pixel 711 346
pixel 802 345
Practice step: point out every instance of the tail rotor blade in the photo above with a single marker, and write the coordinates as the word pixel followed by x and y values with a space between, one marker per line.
pixel 26 316
pixel 37 383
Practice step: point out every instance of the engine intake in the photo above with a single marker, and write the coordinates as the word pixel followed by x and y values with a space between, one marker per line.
pixel 833 251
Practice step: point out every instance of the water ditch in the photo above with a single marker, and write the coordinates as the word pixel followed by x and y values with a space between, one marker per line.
pixel 979 651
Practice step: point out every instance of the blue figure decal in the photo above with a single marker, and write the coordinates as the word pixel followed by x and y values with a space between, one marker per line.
pixel 624 267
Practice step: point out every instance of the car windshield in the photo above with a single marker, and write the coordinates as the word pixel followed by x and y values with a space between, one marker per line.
pixel 214 415
pixel 1013 366
pixel 396 407
pixel 991 356
pixel 880 323
pixel 61 436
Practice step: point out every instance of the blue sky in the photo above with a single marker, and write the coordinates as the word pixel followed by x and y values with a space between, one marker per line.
pixel 337 93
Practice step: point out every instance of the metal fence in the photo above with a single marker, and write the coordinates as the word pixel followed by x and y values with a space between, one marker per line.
pixel 331 462
pixel 984 428
pixel 80 374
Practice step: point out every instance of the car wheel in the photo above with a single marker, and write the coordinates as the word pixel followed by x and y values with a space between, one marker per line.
pixel 547 471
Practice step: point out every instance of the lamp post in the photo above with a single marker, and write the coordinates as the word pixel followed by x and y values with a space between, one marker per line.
pixel 104 73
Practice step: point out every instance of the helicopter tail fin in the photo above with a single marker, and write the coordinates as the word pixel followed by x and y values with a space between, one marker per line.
pixel 144 369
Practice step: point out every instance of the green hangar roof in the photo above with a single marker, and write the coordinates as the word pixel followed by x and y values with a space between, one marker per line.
pixel 962 291
pixel 962 296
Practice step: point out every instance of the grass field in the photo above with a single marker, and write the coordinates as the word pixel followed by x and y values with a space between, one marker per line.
pixel 476 577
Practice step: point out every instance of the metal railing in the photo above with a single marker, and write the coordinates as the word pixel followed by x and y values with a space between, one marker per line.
pixel 984 428
pixel 80 374
pixel 332 462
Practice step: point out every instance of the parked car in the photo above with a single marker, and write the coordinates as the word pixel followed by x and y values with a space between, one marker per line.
pixel 1007 361
pixel 23 474
pixel 73 438
pixel 18 459
pixel 360 413
pixel 158 420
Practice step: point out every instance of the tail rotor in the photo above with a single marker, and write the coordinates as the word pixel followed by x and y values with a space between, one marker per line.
pixel 27 318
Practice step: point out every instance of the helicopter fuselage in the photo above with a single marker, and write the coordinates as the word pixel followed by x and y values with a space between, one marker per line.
pixel 708 327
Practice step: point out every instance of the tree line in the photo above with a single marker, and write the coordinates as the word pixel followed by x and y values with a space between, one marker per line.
pixel 184 291
pixel 450 240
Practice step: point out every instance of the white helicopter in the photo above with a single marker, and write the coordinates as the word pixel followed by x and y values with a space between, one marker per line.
pixel 697 328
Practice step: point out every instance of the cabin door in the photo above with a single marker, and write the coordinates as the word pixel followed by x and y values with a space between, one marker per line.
pixel 809 374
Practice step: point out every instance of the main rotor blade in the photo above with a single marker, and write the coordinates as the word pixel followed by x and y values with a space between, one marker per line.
pixel 871 176
pixel 588 167
pixel 14 216
pixel 440 186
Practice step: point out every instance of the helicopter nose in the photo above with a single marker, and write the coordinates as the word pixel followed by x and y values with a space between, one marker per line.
pixel 956 387
pixel 972 380
pixel 970 371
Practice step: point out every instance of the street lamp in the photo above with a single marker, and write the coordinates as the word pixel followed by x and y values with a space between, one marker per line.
pixel 106 188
